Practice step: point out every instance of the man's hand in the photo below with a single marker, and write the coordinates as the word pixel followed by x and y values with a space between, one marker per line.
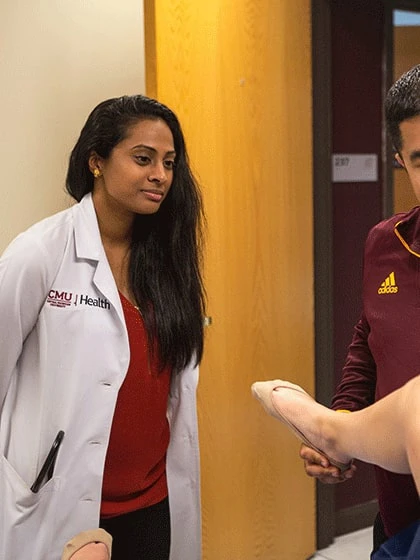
pixel 318 466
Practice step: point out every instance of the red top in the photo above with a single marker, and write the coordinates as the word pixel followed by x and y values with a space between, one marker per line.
pixel 135 465
pixel 385 351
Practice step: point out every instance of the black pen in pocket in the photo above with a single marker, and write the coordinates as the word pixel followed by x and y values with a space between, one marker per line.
pixel 47 468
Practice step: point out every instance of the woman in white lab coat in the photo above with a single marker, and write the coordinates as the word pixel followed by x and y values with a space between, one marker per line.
pixel 101 312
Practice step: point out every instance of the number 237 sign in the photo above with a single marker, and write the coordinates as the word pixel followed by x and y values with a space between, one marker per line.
pixel 351 168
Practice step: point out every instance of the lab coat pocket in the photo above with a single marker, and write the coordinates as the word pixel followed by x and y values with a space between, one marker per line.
pixel 26 518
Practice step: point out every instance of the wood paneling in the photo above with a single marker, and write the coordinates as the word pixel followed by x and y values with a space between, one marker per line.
pixel 238 74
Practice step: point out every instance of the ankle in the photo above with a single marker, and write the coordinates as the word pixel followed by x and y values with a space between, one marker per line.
pixel 329 436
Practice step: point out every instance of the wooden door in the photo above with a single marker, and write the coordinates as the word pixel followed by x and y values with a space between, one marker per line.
pixel 238 74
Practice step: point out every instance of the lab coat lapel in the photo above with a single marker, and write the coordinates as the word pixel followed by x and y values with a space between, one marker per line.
pixel 89 246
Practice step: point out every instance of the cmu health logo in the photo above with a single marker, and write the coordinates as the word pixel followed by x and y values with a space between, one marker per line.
pixel 57 298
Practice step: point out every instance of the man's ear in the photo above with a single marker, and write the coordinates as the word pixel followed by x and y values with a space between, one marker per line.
pixel 399 159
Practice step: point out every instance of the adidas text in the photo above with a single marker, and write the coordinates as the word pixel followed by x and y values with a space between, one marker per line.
pixel 388 290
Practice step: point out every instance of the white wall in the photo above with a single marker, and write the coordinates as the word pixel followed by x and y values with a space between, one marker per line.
pixel 58 59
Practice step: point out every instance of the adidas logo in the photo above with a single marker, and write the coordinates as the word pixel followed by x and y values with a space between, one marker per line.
pixel 388 286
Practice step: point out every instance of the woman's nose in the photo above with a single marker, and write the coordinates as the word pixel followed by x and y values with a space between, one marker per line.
pixel 158 173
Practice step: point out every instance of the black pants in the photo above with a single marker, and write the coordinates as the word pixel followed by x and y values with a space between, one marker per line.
pixel 144 534
pixel 379 535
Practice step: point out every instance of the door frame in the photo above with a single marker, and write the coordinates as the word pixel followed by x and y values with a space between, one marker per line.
pixel 323 270
pixel 322 212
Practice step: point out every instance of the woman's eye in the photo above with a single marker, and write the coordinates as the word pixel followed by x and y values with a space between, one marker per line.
pixel 169 164
pixel 142 160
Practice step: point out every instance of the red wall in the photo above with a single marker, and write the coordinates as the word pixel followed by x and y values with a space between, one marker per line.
pixel 357 43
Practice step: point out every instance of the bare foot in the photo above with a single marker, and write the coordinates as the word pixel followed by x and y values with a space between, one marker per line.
pixel 311 422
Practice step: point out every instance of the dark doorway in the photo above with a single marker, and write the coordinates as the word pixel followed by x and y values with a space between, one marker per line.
pixel 353 67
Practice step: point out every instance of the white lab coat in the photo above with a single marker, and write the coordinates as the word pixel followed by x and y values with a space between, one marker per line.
pixel 64 354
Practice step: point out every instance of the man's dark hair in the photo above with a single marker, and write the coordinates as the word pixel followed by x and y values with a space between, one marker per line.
pixel 402 103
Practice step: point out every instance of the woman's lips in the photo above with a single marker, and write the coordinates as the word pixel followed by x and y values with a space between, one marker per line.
pixel 153 195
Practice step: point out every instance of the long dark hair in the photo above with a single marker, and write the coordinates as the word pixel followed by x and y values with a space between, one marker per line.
pixel 166 248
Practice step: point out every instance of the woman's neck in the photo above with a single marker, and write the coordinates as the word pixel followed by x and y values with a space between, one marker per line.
pixel 116 229
pixel 115 226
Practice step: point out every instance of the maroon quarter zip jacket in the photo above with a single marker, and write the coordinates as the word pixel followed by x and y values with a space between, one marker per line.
pixel 385 350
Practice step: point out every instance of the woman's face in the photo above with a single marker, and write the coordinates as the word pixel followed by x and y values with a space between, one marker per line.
pixel 137 175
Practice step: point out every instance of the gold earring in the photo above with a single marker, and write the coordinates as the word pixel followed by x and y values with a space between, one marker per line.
pixel 96 173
